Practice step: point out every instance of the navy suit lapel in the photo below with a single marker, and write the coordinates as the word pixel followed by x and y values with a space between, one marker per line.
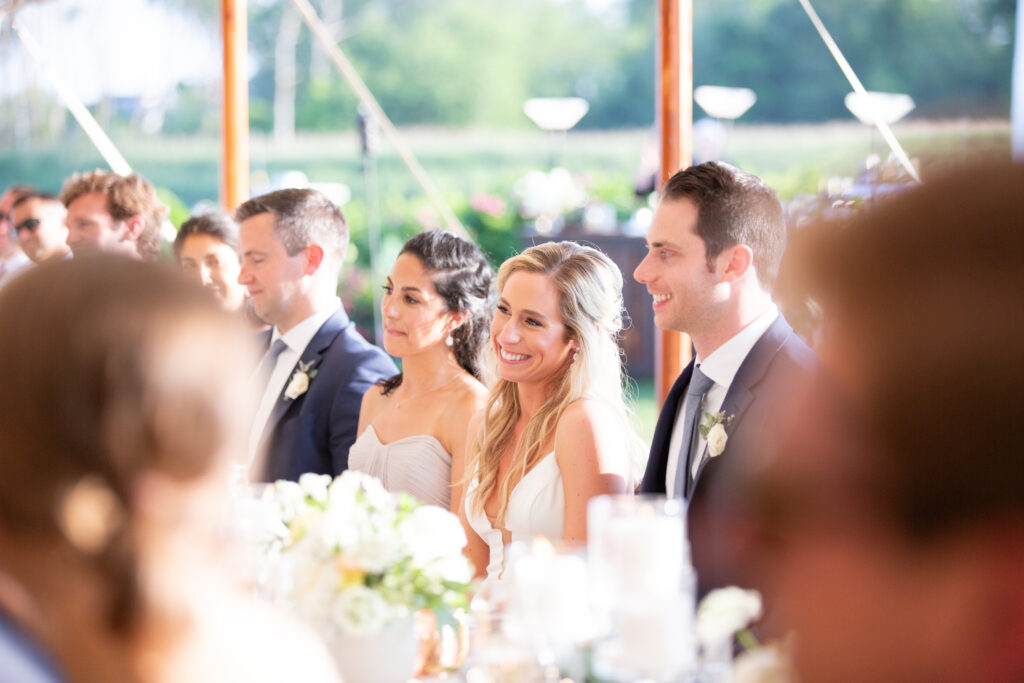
pixel 749 374
pixel 314 351
pixel 657 466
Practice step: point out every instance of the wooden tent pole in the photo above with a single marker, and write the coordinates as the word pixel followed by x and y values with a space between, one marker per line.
pixel 235 160
pixel 675 118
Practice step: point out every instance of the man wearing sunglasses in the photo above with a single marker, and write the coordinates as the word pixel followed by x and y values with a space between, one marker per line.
pixel 39 223
pixel 11 256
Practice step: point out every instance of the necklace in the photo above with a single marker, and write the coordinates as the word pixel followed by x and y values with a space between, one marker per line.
pixel 398 404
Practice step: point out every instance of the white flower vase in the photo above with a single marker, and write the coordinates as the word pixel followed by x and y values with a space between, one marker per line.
pixel 387 656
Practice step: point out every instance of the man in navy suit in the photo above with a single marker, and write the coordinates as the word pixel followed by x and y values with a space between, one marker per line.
pixel 714 249
pixel 317 366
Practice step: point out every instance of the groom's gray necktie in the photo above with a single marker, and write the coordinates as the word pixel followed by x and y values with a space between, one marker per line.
pixel 699 385
pixel 267 364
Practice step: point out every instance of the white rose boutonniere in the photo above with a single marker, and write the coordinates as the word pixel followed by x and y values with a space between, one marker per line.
pixel 714 432
pixel 299 383
pixel 723 612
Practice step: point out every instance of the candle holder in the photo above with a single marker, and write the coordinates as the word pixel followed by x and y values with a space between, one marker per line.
pixel 644 588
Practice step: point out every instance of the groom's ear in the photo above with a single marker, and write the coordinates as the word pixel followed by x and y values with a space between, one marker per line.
pixel 314 258
pixel 737 262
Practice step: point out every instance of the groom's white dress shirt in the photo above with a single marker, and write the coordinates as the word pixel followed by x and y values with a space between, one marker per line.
pixel 721 367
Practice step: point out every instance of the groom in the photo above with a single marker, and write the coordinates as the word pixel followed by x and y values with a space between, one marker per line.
pixel 316 366
pixel 714 249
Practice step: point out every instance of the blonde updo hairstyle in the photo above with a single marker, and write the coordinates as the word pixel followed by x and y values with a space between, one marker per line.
pixel 589 287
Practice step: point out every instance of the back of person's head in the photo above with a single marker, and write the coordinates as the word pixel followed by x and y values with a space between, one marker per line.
pixel 118 372
pixel 215 224
pixel 302 218
pixel 926 290
pixel 463 278
pixel 733 207
pixel 127 196
pixel 902 462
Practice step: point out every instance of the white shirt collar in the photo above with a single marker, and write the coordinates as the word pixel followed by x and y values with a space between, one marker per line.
pixel 722 364
pixel 298 338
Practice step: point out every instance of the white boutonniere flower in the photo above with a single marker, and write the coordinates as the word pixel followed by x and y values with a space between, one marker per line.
pixel 723 612
pixel 299 383
pixel 714 433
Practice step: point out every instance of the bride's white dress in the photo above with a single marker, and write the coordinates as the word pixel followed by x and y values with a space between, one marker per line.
pixel 418 465
pixel 536 507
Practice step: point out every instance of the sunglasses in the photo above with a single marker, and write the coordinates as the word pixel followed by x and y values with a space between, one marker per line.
pixel 29 224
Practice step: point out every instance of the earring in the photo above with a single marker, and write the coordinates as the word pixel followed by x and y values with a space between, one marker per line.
pixel 449 340
pixel 575 356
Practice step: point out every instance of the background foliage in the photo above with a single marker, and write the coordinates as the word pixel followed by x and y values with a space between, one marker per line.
pixel 459 62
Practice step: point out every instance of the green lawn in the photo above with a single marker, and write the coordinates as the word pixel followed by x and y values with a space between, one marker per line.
pixel 792 158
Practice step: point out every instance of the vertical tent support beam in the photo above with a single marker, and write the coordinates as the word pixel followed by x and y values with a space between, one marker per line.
pixel 1017 89
pixel 675 118
pixel 235 162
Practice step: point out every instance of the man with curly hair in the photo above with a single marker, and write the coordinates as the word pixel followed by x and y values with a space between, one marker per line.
pixel 114 213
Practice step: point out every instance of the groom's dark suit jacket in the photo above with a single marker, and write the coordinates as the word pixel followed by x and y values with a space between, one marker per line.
pixel 775 363
pixel 312 433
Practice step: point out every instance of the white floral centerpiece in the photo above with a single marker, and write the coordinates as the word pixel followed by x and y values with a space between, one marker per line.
pixel 361 557
pixel 728 612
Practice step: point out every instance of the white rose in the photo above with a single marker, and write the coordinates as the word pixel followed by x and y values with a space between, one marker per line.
pixel 315 485
pixel 344 486
pixel 724 611
pixel 258 522
pixel 290 500
pixel 717 439
pixel 432 533
pixel 361 611
pixel 339 527
pixel 378 549
pixel 454 569
pixel 298 386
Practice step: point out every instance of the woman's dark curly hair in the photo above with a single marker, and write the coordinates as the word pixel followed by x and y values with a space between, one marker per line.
pixel 464 280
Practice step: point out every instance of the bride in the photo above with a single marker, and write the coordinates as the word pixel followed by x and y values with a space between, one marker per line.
pixel 555 431
pixel 412 427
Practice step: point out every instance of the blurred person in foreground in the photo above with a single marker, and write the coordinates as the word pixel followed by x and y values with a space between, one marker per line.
pixel 317 366
pixel 894 508
pixel 39 224
pixel 109 552
pixel 115 213
pixel 714 249
pixel 12 258
pixel 206 250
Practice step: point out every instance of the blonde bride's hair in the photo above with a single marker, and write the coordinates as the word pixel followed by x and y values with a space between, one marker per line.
pixel 589 287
